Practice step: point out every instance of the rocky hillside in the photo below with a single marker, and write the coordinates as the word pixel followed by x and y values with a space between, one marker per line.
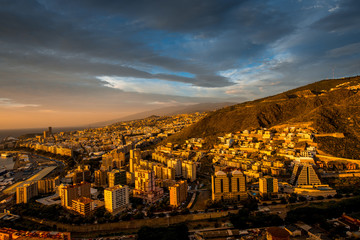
pixel 330 105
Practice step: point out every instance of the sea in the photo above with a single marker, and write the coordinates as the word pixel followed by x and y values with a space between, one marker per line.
pixel 19 132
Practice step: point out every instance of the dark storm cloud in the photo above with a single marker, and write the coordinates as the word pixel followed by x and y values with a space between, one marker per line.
pixel 184 16
pixel 345 18
pixel 324 42
pixel 92 56
pixel 72 65
pixel 188 41
pixel 234 28
pixel 347 50
pixel 41 29
pixel 83 29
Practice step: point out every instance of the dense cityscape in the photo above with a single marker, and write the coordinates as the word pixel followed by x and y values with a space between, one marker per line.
pixel 127 174
pixel 179 120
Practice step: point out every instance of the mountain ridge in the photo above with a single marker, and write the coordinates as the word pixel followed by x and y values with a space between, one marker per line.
pixel 167 111
pixel 330 105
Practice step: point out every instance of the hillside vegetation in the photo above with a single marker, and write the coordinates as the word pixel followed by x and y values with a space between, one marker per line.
pixel 330 105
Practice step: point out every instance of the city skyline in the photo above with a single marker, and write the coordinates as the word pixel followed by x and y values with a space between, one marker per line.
pixel 277 167
pixel 70 63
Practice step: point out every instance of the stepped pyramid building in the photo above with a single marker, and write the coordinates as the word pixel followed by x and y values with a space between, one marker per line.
pixel 307 183
pixel 304 174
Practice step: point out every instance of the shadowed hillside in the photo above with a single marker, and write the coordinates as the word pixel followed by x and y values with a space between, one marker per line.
pixel 169 111
pixel 331 106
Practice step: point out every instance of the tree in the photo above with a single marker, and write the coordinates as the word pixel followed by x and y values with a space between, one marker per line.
pixel 302 199
pixel 283 200
pixel 338 196
pixel 99 212
pixel 180 232
pixel 100 195
pixel 185 211
pixel 139 215
pixel 337 231
pixel 292 199
pixel 240 219
pixel 250 204
pixel 174 213
pixel 265 220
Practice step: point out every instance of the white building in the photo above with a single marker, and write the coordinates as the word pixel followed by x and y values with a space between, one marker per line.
pixel 116 198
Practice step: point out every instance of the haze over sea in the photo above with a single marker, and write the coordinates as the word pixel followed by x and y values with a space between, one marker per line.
pixel 19 132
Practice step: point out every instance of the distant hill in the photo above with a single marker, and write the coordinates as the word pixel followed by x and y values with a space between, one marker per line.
pixel 329 105
pixel 168 111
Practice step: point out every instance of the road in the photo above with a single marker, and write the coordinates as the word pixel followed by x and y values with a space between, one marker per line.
pixel 200 203
pixel 34 173
pixel 283 209
pixel 38 176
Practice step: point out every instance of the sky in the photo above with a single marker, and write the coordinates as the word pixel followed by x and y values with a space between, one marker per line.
pixel 76 62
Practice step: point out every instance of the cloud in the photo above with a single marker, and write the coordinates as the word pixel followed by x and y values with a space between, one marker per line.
pixel 334 8
pixel 344 19
pixel 169 103
pixel 9 103
pixel 41 44
pixel 350 49
pixel 91 48
pixel 91 56
pixel 157 86
pixel 161 14
pixel 259 72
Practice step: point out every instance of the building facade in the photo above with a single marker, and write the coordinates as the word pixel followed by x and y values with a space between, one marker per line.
pixel 116 198
pixel 304 174
pixel 81 174
pixel 116 177
pixel 145 187
pixel 189 170
pixel 83 205
pixel 100 178
pixel 72 192
pixel 268 186
pixel 228 187
pixel 26 192
pixel 48 185
pixel 178 193
pixel 162 172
